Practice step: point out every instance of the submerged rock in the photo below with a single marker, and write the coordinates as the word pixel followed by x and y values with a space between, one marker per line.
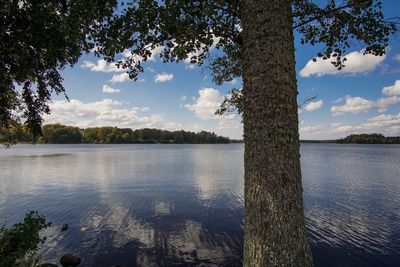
pixel 64 227
pixel 69 260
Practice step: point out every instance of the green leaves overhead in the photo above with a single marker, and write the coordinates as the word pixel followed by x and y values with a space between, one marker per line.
pixel 185 29
pixel 341 23
pixel 37 40
pixel 189 29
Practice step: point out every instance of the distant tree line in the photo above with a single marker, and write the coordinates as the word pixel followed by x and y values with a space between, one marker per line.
pixel 374 138
pixel 62 134
pixel 369 139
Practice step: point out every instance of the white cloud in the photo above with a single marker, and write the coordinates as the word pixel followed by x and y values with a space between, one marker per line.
pixel 339 128
pixel 229 121
pixel 101 66
pixel 163 77
pixel 314 105
pixel 397 57
pixel 390 122
pixel 118 78
pixel 358 104
pixel 353 105
pixel 385 124
pixel 204 107
pixel 109 90
pixel 388 125
pixel 393 89
pixel 104 66
pixel 356 63
pixel 106 112
pixel 182 98
pixel 154 53
pixel 206 104
pixel 311 129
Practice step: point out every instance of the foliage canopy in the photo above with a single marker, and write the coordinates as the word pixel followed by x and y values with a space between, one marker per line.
pixel 37 40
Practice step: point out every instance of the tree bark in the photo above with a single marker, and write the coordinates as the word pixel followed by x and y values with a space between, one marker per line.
pixel 275 233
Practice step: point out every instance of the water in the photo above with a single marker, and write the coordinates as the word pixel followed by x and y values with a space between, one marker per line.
pixel 182 205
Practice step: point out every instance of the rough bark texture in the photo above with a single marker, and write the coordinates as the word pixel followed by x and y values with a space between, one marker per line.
pixel 275 233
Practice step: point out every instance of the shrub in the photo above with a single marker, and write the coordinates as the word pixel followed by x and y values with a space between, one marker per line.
pixel 19 243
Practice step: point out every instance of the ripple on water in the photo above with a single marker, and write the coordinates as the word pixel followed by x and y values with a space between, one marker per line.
pixel 160 205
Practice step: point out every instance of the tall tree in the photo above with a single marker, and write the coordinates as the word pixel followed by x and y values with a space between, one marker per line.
pixel 257 40
pixel 275 233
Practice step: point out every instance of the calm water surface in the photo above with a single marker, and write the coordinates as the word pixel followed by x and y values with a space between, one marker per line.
pixel 182 205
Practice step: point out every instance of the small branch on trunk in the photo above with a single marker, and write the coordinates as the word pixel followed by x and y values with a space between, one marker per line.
pixel 306 101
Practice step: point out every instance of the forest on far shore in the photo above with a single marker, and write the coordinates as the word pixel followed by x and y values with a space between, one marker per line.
pixel 62 134
pixel 369 139
pixel 374 138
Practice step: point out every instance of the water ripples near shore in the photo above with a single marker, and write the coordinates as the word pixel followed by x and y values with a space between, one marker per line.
pixel 182 205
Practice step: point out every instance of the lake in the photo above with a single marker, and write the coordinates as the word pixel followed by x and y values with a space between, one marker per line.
pixel 182 205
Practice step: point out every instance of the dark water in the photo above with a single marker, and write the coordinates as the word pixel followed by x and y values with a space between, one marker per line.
pixel 182 205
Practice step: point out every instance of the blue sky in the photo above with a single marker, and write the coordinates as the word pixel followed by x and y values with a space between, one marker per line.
pixel 362 98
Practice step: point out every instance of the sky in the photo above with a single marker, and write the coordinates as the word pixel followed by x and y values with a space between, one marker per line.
pixel 364 97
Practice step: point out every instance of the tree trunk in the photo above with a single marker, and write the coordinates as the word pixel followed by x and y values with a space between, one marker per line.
pixel 275 233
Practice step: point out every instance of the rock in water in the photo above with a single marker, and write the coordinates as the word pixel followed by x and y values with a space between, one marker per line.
pixel 69 260
pixel 48 265
pixel 64 227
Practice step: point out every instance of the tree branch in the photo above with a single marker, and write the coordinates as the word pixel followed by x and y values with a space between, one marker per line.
pixel 320 16
pixel 304 102
pixel 227 10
